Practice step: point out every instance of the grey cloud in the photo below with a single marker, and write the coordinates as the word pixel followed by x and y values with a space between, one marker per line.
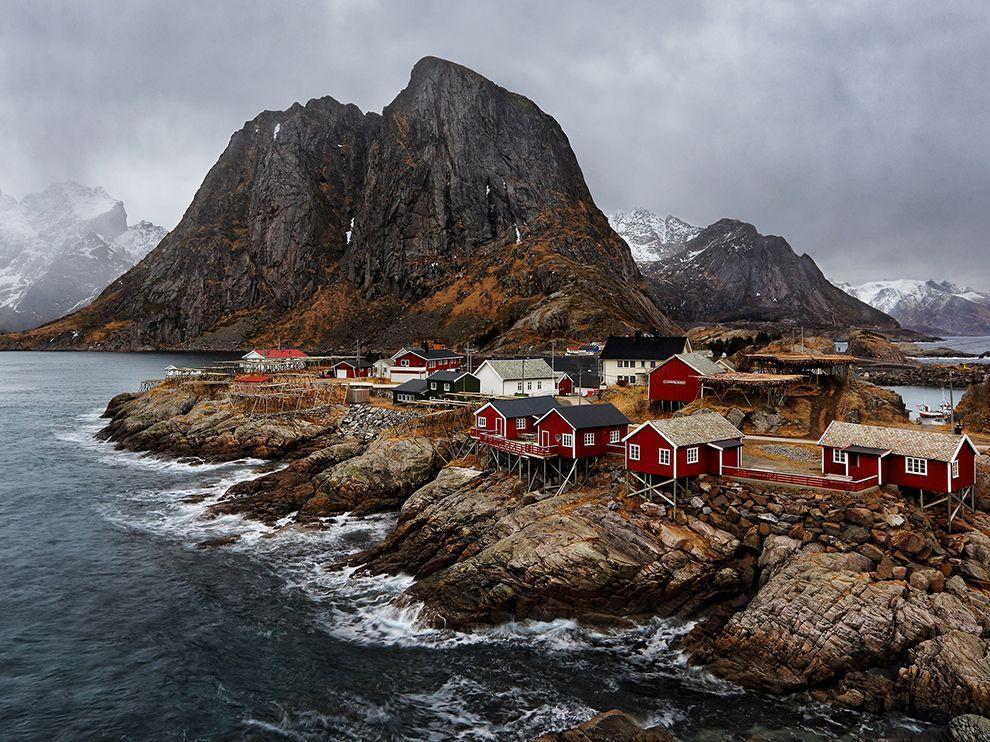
pixel 856 130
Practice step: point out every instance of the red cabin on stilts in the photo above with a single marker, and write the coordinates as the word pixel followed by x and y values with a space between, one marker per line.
pixel 677 381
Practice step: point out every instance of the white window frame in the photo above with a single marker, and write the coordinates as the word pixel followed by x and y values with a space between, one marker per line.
pixel 916 465
pixel 519 386
pixel 663 457
pixel 955 469
pixel 634 452
pixel 520 423
pixel 589 439
pixel 433 385
pixel 691 456
pixel 404 362
pixel 446 387
pixel 529 386
pixel 482 422
pixel 614 436
pixel 539 385
pixel 567 440
pixel 838 456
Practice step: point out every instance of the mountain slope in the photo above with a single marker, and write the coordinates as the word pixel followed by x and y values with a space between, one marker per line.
pixel 59 248
pixel 649 236
pixel 460 212
pixel 928 306
pixel 730 272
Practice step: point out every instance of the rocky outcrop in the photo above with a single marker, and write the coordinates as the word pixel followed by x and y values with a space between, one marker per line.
pixel 730 272
pixel 974 407
pixel 874 346
pixel 460 213
pixel 483 551
pixel 949 674
pixel 611 726
pixel 195 420
pixel 967 728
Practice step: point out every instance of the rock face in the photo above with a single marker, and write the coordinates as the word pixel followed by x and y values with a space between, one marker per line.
pixel 612 726
pixel 873 345
pixel 974 407
pixel 730 272
pixel 60 248
pixel 650 237
pixel 459 213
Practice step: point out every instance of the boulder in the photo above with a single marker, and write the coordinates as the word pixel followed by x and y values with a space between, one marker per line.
pixel 947 675
pixel 967 728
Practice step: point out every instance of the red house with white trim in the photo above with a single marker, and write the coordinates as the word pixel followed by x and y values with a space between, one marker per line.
pixel 684 447
pixel 582 431
pixel 418 363
pixel 928 461
pixel 351 368
pixel 512 418
pixel 677 381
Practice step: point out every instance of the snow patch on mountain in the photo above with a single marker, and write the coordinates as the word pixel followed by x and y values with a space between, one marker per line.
pixel 61 247
pixel 650 237
pixel 937 307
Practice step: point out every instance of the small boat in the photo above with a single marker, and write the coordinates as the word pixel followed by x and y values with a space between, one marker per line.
pixel 939 413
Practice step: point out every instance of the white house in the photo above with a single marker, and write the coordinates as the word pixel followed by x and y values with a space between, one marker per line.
pixel 629 359
pixel 529 376
pixel 380 368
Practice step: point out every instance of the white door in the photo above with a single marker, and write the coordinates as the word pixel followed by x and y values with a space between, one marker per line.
pixel 499 426
pixel 341 373
pixel 544 437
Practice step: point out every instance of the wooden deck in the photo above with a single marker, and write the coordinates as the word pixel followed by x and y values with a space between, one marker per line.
pixel 842 484
pixel 517 447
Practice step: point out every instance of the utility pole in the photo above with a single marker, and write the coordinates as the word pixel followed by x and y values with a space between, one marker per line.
pixel 952 406
pixel 470 350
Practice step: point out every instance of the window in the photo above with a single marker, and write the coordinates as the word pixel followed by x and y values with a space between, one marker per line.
pixel 433 385
pixel 520 423
pixel 405 398
pixel 539 385
pixel 839 457
pixel 664 456
pixel 519 386
pixel 589 439
pixel 482 422
pixel 614 436
pixel 633 452
pixel 955 468
pixel 529 386
pixel 567 440
pixel 916 466
pixel 404 362
pixel 692 455
pixel 446 387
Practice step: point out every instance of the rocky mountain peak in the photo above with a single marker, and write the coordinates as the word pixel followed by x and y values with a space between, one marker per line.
pixel 650 237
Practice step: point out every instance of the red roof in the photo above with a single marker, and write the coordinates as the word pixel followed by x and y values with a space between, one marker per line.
pixel 279 353
pixel 252 378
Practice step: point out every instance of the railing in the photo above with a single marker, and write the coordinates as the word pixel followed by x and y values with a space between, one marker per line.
pixel 520 448
pixel 802 480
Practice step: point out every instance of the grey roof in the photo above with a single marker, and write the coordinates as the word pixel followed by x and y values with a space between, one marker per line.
pixel 693 430
pixel 525 406
pixel 363 363
pixel 434 354
pixel 592 415
pixel 701 363
pixel 521 368
pixel 447 375
pixel 580 368
pixel 414 386
pixel 642 347
pixel 900 441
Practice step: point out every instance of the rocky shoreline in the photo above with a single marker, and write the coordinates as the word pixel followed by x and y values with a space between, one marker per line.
pixel 863 601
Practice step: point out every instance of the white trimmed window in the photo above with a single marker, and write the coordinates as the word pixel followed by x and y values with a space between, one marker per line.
pixel 614 436
pixel 663 457
pixel 567 440
pixel 634 452
pixel 520 423
pixel 433 385
pixel 692 455
pixel 838 456
pixel 482 422
pixel 446 387
pixel 539 385
pixel 519 386
pixel 914 465
pixel 955 468
pixel 589 439
pixel 404 362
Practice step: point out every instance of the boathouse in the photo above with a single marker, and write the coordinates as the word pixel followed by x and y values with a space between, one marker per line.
pixel 414 390
pixel 351 368
pixel 582 431
pixel 677 381
pixel 565 384
pixel 659 453
pixel 629 359
pixel 505 377
pixel 418 363
pixel 920 460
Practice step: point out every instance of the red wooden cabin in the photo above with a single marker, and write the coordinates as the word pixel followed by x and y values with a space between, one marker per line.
pixel 677 381
pixel 684 446
pixel 916 459
pixel 582 431
pixel 512 418
pixel 434 359
pixel 565 385
pixel 351 369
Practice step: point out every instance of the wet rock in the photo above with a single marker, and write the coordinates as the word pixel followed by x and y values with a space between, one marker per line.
pixel 611 726
pixel 967 728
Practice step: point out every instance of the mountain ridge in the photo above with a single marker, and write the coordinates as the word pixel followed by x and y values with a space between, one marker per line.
pixel 928 306
pixel 459 213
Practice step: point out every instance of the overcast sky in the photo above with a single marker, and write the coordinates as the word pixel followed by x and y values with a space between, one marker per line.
pixel 860 131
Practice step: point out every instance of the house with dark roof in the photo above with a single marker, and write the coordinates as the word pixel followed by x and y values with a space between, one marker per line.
pixel 453 382
pixel 578 374
pixel 503 377
pixel 922 460
pixel 414 390
pixel 677 381
pixel 628 359
pixel 351 368
pixel 512 418
pixel 582 431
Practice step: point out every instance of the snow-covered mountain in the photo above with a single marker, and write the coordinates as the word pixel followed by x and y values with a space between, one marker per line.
pixel 939 308
pixel 650 237
pixel 60 248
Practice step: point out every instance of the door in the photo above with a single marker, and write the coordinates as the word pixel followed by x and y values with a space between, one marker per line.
pixel 499 426
pixel 341 373
pixel 545 438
